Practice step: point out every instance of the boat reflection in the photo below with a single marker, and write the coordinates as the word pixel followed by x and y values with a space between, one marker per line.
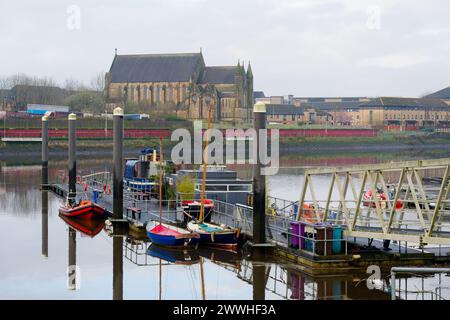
pixel 184 257
pixel 87 227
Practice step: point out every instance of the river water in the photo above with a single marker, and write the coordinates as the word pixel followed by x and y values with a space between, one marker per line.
pixel 37 246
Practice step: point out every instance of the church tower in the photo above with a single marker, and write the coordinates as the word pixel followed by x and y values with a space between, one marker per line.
pixel 250 99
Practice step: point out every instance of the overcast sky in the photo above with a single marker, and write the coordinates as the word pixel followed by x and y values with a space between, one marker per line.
pixel 300 47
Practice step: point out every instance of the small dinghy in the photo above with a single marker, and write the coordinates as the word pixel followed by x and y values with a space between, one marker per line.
pixel 163 234
pixel 215 235
pixel 85 209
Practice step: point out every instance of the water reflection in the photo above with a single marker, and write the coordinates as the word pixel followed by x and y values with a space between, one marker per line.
pixel 184 257
pixel 44 224
pixel 72 261
pixel 226 275
pixel 87 227
pixel 117 268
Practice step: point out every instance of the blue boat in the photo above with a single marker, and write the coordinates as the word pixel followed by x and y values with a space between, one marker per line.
pixel 215 235
pixel 166 235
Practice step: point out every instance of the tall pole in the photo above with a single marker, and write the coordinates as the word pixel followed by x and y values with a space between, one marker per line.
pixel 259 180
pixel 44 152
pixel 118 162
pixel 72 159
pixel 44 159
pixel 205 161
pixel 160 178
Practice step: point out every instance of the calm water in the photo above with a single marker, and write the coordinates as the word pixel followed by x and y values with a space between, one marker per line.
pixel 36 249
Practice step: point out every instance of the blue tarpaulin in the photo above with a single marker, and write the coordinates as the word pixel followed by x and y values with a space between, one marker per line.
pixel 148 150
pixel 129 168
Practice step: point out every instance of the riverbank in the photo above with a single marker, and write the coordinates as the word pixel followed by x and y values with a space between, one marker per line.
pixel 292 145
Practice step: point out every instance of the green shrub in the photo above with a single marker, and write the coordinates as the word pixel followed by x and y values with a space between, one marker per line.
pixel 186 188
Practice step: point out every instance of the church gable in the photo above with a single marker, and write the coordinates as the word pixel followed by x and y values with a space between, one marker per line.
pixel 155 67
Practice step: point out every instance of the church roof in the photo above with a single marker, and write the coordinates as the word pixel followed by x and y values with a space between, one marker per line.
pixel 154 67
pixel 219 75
pixel 441 94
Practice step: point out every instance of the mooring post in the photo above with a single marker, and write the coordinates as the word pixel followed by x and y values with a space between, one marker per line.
pixel 72 159
pixel 118 162
pixel 259 180
pixel 44 152
pixel 44 178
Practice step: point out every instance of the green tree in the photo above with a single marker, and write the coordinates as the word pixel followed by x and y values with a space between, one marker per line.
pixel 86 101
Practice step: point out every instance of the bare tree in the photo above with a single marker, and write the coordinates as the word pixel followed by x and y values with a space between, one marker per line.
pixel 98 82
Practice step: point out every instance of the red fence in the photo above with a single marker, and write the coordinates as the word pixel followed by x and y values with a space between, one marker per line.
pixel 88 133
pixel 328 132
pixel 156 133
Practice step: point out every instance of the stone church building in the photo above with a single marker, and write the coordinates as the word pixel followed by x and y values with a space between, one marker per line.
pixel 183 83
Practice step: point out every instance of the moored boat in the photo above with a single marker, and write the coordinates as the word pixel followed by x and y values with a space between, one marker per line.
pixel 163 234
pixel 85 209
pixel 215 235
pixel 192 209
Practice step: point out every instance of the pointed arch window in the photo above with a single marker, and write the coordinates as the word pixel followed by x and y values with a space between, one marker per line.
pixel 145 95
pixel 131 93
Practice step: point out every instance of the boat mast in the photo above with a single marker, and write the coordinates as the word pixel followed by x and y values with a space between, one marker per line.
pixel 160 178
pixel 205 156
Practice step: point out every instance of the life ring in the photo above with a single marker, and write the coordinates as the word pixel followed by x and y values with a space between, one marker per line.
pixel 107 189
pixel 79 179
pixel 85 187
pixel 309 214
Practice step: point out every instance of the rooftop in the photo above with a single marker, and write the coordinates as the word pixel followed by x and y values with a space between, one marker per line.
pixel 441 94
pixel 283 109
pixel 155 67
pixel 390 102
